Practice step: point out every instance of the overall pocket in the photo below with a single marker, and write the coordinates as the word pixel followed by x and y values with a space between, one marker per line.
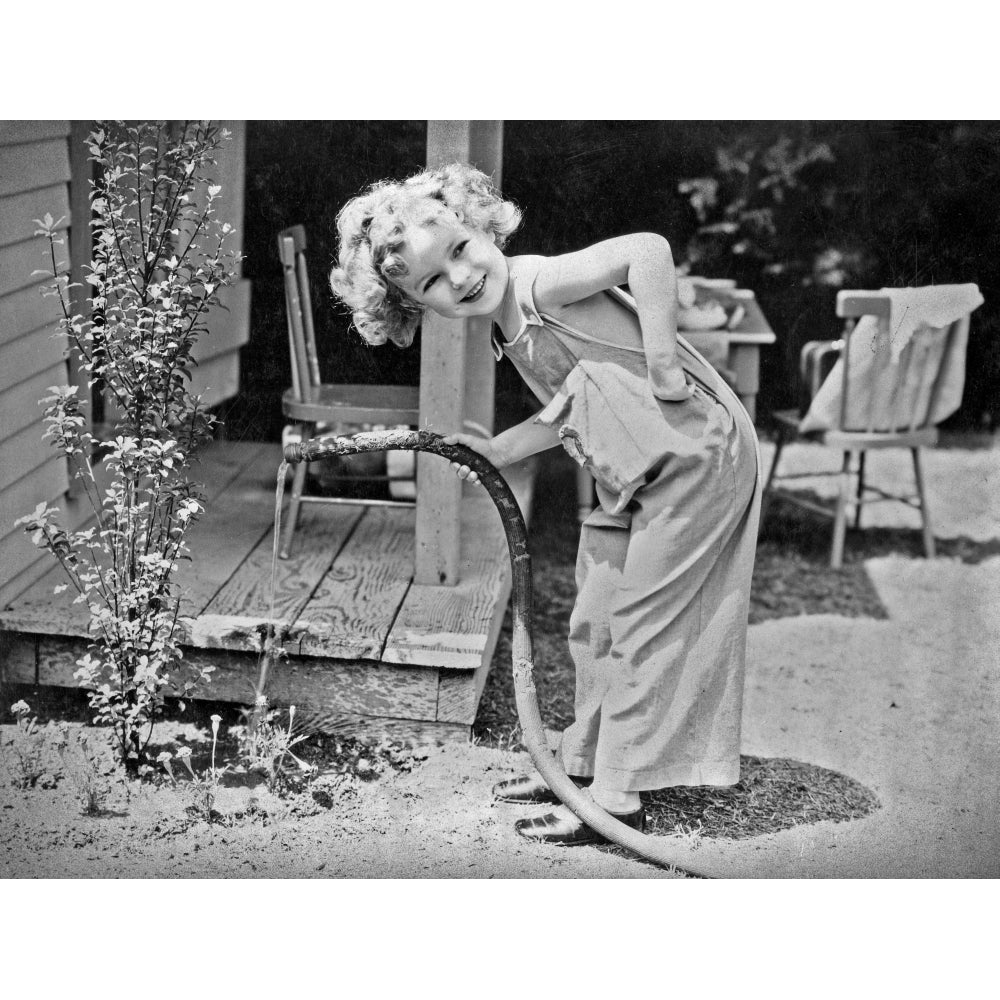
pixel 609 421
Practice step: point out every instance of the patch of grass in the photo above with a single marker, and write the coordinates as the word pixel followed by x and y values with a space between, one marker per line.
pixel 792 575
pixel 772 794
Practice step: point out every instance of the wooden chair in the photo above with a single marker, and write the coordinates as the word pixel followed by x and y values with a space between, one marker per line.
pixel 892 406
pixel 310 401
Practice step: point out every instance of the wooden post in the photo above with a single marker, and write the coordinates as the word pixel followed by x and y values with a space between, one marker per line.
pixel 456 374
pixel 486 153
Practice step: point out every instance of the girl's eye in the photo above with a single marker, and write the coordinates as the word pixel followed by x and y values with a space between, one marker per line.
pixel 430 281
pixel 459 248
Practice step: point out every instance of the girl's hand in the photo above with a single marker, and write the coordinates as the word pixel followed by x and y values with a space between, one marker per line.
pixel 483 446
pixel 669 383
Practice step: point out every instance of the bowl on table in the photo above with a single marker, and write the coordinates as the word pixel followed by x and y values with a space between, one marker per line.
pixel 707 304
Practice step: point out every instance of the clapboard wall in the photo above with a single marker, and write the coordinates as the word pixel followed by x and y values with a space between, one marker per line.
pixel 34 179
pixel 42 170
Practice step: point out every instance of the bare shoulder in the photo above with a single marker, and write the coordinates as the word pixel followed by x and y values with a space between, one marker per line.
pixel 570 277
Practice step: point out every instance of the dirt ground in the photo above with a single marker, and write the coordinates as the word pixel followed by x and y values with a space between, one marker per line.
pixel 906 705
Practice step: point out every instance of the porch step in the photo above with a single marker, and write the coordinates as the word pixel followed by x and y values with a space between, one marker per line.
pixel 365 645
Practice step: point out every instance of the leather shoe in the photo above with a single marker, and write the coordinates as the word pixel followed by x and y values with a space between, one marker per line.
pixel 553 829
pixel 531 789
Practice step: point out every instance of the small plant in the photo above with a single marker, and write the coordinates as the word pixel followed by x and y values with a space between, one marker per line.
pixel 264 744
pixel 25 762
pixel 159 263
pixel 80 767
pixel 204 788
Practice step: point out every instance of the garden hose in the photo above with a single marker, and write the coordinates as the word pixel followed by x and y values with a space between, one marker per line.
pixel 547 763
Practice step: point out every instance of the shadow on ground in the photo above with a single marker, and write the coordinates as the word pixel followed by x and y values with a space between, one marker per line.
pixel 772 794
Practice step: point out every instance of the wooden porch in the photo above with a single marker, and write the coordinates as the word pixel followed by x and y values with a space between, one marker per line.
pixel 384 655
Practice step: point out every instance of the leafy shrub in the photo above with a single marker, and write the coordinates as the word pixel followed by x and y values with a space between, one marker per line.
pixel 159 262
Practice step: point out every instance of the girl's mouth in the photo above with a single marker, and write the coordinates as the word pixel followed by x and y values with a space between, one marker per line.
pixel 476 291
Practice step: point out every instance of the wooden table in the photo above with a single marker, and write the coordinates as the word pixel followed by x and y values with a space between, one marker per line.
pixel 735 353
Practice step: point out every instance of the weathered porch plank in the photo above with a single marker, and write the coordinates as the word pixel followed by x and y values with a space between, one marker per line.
pixel 353 609
pixel 448 626
pixel 235 617
pixel 237 514
pixel 18 658
pixel 459 691
pixel 409 732
pixel 235 468
pixel 333 661
pixel 330 685
pixel 362 700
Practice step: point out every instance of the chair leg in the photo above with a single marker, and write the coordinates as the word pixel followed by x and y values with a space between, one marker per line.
pixel 840 518
pixel 766 497
pixel 294 503
pixel 925 515
pixel 861 490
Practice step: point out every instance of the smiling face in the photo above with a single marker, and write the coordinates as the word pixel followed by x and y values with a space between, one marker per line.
pixel 454 270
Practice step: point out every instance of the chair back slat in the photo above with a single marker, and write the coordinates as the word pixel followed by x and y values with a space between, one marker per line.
pixel 845 390
pixel 307 318
pixel 303 383
pixel 297 235
pixel 289 307
pixel 879 359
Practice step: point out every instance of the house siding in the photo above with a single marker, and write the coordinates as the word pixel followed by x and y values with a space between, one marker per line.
pixel 36 170
pixel 34 179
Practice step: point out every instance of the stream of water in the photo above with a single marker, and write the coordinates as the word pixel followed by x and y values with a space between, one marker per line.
pixel 271 638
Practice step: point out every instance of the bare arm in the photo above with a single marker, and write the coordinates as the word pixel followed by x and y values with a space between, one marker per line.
pixel 506 448
pixel 645 263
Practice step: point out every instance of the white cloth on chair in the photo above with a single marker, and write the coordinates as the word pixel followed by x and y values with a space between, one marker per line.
pixel 877 393
pixel 931 307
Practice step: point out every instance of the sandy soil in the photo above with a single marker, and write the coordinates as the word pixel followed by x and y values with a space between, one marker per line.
pixel 908 706
pixel 436 821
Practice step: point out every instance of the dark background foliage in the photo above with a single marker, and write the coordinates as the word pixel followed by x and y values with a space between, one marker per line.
pixel 896 203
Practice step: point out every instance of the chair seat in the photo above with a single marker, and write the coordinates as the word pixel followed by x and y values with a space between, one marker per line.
pixel 922 437
pixel 362 404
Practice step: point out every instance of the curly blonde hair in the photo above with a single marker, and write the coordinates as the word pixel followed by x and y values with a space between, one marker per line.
pixel 372 230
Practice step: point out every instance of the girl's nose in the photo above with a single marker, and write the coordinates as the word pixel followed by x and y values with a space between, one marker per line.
pixel 458 275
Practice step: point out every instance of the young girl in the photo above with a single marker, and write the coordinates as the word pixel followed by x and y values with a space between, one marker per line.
pixel 658 632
